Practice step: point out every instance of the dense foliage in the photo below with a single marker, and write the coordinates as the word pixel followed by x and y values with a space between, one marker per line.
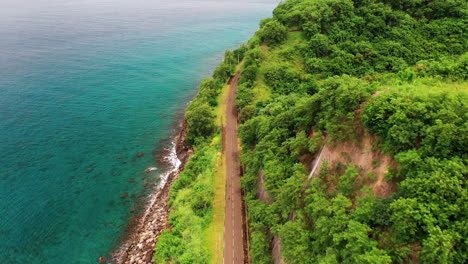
pixel 313 86
pixel 429 134
pixel 272 32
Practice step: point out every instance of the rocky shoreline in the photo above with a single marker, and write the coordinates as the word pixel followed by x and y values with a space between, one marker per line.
pixel 139 244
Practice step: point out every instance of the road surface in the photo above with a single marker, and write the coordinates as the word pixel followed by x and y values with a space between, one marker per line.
pixel 233 233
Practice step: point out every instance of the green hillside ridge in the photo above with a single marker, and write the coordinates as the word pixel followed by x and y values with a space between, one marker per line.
pixel 338 54
pixel 312 74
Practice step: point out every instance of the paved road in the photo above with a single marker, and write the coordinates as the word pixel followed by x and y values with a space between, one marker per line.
pixel 233 240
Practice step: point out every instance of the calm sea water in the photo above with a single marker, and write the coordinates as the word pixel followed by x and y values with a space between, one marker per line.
pixel 84 87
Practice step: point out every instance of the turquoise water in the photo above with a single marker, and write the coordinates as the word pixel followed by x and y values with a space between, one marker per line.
pixel 84 87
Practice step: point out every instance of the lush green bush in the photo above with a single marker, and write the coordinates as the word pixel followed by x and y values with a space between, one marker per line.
pixel 434 122
pixel 200 121
pixel 273 33
pixel 246 113
pixel 283 78
pixel 244 96
pixel 209 90
pixel 224 71
pixel 253 56
pixel 249 75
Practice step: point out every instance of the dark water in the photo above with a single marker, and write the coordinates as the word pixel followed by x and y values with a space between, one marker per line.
pixel 84 87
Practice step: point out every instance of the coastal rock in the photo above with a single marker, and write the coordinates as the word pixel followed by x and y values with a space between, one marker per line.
pixel 102 260
pixel 124 195
pixel 144 230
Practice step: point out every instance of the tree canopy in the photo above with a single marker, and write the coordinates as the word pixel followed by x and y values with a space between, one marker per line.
pixel 313 85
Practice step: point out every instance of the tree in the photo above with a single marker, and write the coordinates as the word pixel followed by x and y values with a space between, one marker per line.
pixel 272 33
pixel 260 241
pixel 224 71
pixel 283 78
pixel 439 246
pixel 249 74
pixel 320 46
pixel 246 113
pixel 296 242
pixel 200 121
pixel 406 218
pixel 346 184
pixel 355 246
pixel 209 90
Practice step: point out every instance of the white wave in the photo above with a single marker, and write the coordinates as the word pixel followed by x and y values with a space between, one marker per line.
pixel 174 163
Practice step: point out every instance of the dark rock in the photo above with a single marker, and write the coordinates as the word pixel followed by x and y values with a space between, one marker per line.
pixel 123 196
pixel 102 260
pixel 138 244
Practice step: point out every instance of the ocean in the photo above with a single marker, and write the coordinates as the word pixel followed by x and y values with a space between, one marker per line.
pixel 85 86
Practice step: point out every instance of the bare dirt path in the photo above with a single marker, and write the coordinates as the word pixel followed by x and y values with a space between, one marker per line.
pixel 233 233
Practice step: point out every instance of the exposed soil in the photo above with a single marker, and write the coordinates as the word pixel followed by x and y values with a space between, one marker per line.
pixel 276 250
pixel 363 153
pixel 145 229
pixel 233 221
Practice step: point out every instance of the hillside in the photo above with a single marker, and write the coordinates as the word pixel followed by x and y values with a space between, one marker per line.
pixel 390 179
pixel 354 137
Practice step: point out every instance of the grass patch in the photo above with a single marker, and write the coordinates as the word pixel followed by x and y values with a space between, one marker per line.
pixel 294 38
pixel 217 230
pixel 221 107
pixel 215 233
pixel 213 238
pixel 260 90
pixel 427 86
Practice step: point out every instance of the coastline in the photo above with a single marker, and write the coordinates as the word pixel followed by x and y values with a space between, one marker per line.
pixel 138 245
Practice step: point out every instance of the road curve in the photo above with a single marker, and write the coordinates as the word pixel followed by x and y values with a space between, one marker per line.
pixel 233 233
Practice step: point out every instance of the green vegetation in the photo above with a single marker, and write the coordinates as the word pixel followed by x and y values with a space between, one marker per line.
pixel 272 32
pixel 192 203
pixel 190 238
pixel 306 73
pixel 317 73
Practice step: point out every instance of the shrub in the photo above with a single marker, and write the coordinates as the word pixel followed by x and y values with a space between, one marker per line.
pixel 282 78
pixel 200 121
pixel 272 33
